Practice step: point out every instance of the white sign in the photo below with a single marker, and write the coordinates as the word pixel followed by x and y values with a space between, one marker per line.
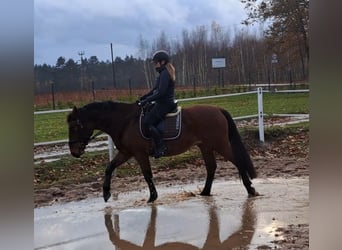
pixel 274 58
pixel 218 62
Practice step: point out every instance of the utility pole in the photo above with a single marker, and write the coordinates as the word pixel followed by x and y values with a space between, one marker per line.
pixel 111 49
pixel 81 53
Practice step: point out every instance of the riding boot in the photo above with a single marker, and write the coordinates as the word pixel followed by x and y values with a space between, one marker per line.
pixel 160 146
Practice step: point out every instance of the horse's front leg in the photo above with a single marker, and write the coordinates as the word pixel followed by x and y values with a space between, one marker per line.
pixel 119 159
pixel 145 166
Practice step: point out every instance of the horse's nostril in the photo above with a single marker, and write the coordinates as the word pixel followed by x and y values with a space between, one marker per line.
pixel 76 154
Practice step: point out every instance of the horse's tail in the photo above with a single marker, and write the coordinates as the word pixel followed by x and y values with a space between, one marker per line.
pixel 242 160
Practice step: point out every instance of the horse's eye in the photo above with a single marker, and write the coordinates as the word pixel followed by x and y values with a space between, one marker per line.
pixel 73 128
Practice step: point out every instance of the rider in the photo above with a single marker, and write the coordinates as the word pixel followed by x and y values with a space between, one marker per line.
pixel 163 95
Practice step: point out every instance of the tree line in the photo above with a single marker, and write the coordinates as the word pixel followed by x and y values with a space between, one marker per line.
pixel 278 54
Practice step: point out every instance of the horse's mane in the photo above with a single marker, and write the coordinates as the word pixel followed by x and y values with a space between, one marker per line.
pixel 107 107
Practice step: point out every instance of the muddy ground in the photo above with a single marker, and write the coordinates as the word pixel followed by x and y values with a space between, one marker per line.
pixel 283 155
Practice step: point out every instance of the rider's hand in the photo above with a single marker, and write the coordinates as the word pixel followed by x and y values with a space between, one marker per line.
pixel 142 102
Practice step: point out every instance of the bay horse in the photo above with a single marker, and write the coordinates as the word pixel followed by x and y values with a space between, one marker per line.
pixel 211 128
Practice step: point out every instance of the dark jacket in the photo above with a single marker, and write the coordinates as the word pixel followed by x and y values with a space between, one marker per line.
pixel 164 89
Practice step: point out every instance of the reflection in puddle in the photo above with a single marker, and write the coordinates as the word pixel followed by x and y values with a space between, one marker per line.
pixel 169 229
pixel 226 220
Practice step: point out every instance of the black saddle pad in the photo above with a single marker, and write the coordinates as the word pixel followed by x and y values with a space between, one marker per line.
pixel 170 127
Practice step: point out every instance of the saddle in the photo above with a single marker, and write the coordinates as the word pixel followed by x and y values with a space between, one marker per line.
pixel 170 127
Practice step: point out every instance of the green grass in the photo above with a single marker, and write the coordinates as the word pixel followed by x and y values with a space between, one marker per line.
pixel 50 127
pixel 236 105
pixel 285 103
pixel 273 133
pixel 294 103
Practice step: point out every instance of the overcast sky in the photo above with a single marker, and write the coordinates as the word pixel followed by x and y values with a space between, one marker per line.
pixel 66 27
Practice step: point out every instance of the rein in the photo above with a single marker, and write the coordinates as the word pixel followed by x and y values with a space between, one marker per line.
pixel 95 135
pixel 86 141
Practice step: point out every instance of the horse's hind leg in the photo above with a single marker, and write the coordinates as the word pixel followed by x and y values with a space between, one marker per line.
pixel 227 153
pixel 210 164
pixel 248 184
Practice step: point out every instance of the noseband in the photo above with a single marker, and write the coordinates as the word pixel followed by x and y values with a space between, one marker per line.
pixel 82 142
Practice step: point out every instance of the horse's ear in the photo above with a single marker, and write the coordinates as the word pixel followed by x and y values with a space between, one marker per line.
pixel 75 110
pixel 73 114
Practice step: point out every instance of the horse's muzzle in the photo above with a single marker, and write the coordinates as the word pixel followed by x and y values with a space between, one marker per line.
pixel 77 149
pixel 76 154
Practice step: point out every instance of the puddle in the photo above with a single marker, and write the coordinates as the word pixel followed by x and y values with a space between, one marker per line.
pixel 178 220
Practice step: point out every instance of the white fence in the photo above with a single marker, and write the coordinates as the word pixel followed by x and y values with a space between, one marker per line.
pixel 260 114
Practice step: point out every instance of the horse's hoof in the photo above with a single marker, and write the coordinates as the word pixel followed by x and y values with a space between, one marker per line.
pixel 204 194
pixel 253 195
pixel 106 196
pixel 152 198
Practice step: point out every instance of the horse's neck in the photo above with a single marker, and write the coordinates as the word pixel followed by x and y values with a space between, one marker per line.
pixel 114 121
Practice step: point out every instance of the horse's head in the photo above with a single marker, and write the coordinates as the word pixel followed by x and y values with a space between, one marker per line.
pixel 79 132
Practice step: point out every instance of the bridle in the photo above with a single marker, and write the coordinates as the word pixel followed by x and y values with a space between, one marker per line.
pixel 84 142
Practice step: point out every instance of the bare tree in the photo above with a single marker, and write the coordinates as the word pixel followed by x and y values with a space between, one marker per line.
pixel 288 31
pixel 144 52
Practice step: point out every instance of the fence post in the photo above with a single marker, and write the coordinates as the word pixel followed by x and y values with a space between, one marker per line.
pixel 261 116
pixel 110 148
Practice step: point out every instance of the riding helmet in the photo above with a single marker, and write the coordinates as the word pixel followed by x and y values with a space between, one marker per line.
pixel 161 55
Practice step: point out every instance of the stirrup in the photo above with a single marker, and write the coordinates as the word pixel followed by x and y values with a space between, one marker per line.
pixel 160 151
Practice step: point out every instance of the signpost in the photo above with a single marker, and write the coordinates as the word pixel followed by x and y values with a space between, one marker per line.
pixel 271 78
pixel 274 58
pixel 219 63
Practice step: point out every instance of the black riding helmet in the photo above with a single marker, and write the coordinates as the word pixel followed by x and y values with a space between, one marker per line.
pixel 161 55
